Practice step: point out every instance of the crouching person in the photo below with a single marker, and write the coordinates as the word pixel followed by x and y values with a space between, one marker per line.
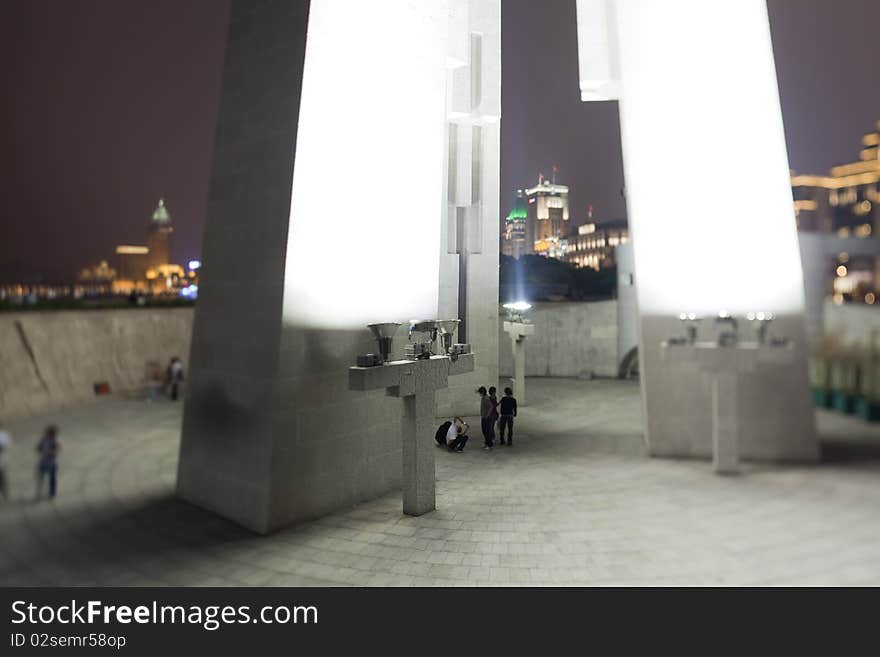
pixel 456 437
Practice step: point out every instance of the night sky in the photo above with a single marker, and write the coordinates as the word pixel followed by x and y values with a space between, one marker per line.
pixel 111 103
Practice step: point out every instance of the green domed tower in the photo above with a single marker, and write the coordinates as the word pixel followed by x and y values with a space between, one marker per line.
pixel 159 239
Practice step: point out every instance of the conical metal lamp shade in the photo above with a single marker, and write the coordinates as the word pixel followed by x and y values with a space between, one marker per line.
pixel 447 325
pixel 384 332
pixel 447 330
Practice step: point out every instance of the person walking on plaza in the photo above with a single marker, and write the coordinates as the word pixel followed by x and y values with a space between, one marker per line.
pixel 47 466
pixel 508 412
pixel 5 444
pixel 487 422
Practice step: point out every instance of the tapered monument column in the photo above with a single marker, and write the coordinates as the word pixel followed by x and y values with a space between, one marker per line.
pixel 681 69
pixel 228 436
pixel 324 105
pixel 469 259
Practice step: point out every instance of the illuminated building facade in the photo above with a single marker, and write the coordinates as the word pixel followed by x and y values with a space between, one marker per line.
pixel 136 268
pixel 846 205
pixel 547 217
pixel 132 261
pixel 595 244
pixel 513 239
pixel 100 273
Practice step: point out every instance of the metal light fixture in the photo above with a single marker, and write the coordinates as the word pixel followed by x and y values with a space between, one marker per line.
pixel 691 324
pixel 729 336
pixel 384 333
pixel 421 346
pixel 447 331
pixel 763 321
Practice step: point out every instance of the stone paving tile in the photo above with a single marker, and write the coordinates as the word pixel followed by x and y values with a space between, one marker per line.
pixel 576 502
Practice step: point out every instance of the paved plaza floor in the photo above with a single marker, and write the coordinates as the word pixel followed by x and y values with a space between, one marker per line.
pixel 574 502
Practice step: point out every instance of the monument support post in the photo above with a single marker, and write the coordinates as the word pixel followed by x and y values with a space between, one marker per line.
pixel 518 332
pixel 415 381
pixel 724 369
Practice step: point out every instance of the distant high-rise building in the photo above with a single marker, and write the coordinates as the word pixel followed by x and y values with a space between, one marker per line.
pixel 159 238
pixel 547 222
pixel 538 223
pixel 595 245
pixel 513 239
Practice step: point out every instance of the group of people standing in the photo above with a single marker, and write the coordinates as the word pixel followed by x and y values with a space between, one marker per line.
pixel 47 461
pixel 492 411
pixel 454 432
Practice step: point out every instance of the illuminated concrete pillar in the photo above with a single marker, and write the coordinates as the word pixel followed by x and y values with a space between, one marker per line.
pixel 687 74
pixel 469 255
pixel 330 153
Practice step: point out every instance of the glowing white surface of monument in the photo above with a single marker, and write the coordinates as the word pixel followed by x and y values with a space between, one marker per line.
pixel 696 81
pixel 364 237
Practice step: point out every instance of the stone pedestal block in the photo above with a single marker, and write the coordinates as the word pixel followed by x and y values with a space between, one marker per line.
pixel 722 368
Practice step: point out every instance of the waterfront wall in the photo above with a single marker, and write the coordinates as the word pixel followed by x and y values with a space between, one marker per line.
pixel 52 360
pixel 571 339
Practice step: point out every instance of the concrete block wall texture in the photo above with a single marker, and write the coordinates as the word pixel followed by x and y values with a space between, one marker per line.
pixel 570 340
pixel 51 360
pixel 227 441
pixel 271 434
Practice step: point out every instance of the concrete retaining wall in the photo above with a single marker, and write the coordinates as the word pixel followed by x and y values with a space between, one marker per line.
pixel 50 360
pixel 571 340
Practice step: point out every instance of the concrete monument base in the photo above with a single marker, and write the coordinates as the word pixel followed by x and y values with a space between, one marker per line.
pixel 722 368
